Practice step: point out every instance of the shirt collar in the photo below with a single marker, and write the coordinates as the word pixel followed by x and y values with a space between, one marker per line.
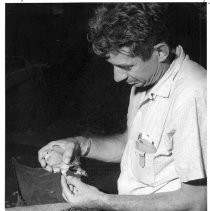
pixel 163 87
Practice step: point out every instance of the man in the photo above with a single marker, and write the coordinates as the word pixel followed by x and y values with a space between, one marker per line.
pixel 163 150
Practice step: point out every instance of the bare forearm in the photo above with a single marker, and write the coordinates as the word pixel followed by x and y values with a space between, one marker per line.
pixel 108 149
pixel 157 202
pixel 170 201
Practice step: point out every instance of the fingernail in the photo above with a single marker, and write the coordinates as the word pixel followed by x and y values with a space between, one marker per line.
pixel 66 161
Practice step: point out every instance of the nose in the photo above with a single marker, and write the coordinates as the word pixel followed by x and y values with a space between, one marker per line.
pixel 119 74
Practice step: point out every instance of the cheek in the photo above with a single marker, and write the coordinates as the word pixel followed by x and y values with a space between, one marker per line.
pixel 148 71
pixel 141 73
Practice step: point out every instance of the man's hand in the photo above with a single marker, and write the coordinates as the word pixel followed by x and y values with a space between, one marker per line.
pixel 79 194
pixel 69 148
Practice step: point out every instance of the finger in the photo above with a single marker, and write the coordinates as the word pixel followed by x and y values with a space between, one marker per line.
pixel 49 168
pixel 64 196
pixel 67 155
pixel 64 171
pixel 75 190
pixel 71 188
pixel 56 169
pixel 74 181
pixel 43 163
pixel 64 186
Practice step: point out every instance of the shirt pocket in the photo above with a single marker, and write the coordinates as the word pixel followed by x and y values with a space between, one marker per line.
pixel 143 173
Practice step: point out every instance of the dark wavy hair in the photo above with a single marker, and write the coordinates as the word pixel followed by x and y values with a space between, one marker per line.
pixel 138 26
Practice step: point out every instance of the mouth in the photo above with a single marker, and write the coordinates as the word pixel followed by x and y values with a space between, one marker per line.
pixel 130 83
pixel 135 83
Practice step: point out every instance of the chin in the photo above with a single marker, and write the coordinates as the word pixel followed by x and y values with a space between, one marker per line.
pixel 142 87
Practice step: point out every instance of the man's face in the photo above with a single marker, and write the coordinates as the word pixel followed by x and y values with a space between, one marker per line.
pixel 134 70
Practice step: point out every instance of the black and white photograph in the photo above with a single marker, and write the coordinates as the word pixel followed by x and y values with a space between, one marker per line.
pixel 105 106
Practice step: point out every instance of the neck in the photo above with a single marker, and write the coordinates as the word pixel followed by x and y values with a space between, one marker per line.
pixel 161 70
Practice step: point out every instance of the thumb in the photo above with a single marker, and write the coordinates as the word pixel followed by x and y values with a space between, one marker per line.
pixel 66 193
pixel 64 183
pixel 73 181
pixel 67 157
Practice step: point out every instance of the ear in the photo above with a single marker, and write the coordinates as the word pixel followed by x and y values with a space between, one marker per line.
pixel 162 50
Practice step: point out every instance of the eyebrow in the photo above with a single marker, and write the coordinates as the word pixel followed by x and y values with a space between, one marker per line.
pixel 122 65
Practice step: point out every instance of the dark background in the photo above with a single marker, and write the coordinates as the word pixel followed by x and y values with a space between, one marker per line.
pixel 56 87
pixel 68 82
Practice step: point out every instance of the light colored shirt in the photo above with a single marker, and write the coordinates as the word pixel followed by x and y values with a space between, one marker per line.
pixel 171 117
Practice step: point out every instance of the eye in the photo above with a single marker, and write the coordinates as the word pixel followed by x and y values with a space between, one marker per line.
pixel 128 68
pixel 125 68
